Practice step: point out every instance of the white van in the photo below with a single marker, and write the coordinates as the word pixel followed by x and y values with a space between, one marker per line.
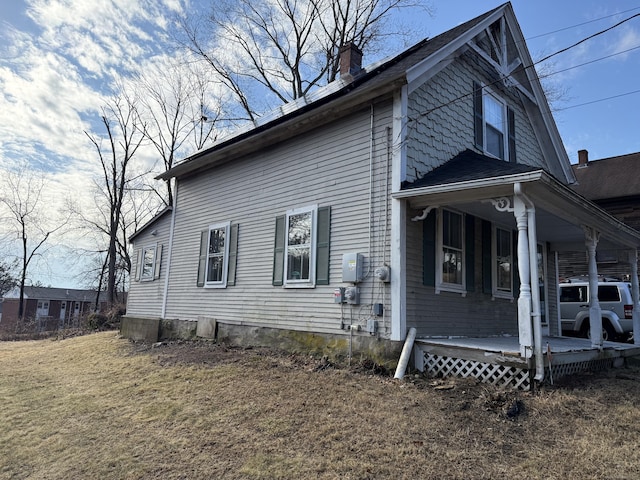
pixel 615 302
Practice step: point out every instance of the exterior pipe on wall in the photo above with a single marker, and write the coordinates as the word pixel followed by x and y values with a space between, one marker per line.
pixel 169 252
pixel 406 353
pixel 535 287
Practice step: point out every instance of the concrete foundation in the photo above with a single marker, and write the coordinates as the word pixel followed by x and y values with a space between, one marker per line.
pixel 337 346
pixel 140 329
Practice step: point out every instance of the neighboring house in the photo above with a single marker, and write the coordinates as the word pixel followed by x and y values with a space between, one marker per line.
pixel 52 307
pixel 426 192
pixel 612 183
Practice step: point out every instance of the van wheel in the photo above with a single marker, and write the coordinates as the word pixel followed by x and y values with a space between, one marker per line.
pixel 608 332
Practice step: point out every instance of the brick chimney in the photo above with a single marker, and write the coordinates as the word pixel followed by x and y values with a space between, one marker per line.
pixel 350 60
pixel 583 158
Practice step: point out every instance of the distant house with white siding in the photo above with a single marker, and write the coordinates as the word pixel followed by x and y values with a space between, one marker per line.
pixel 428 193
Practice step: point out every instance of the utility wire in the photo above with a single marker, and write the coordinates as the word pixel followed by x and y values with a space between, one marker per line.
pixel 583 23
pixel 461 97
pixel 587 38
pixel 598 100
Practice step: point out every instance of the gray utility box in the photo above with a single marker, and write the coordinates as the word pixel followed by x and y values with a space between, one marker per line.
pixel 352 267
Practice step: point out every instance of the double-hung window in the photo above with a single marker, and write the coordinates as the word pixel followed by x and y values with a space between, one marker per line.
pixel 301 249
pixel 148 263
pixel 299 246
pixel 218 255
pixel 494 124
pixel 451 252
pixel 503 263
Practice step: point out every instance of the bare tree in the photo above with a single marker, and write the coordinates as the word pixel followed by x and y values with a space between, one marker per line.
pixel 286 47
pixel 7 278
pixel 124 136
pixel 180 111
pixel 21 196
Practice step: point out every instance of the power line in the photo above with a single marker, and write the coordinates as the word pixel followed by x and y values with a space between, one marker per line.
pixel 598 100
pixel 587 38
pixel 589 62
pixel 461 97
pixel 583 23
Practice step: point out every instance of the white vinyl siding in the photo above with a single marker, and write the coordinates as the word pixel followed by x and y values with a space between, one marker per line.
pixel 328 167
pixel 145 297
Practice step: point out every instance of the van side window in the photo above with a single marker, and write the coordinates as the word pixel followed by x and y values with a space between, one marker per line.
pixel 608 293
pixel 573 294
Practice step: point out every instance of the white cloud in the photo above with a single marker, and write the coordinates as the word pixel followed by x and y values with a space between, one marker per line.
pixel 55 74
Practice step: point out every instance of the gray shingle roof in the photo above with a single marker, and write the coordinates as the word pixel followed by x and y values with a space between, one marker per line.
pixel 373 78
pixel 469 165
pixel 609 178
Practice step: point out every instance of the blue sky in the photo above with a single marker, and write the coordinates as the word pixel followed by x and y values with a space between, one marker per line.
pixel 58 59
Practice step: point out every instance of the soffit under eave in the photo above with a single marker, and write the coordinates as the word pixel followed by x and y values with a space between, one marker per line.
pixel 548 195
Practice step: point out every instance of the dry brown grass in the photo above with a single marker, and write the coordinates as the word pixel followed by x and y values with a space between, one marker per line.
pixel 100 407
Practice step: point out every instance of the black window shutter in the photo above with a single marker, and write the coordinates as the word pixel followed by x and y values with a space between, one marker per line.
pixel 158 262
pixel 202 262
pixel 516 271
pixel 477 116
pixel 322 249
pixel 233 255
pixel 278 251
pixel 429 250
pixel 135 265
pixel 511 125
pixel 469 252
pixel 487 267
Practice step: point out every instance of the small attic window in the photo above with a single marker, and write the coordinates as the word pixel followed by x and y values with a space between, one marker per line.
pixel 494 124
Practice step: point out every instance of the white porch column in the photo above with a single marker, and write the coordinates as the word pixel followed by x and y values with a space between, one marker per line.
pixel 525 331
pixel 595 313
pixel 635 293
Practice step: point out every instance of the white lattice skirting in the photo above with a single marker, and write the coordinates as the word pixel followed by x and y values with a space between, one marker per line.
pixel 501 375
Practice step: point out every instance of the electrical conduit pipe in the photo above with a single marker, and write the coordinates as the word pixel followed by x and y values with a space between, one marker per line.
pixel 406 353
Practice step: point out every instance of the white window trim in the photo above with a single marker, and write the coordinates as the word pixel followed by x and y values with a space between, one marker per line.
pixel 225 263
pixel 486 91
pixel 506 294
pixel 143 277
pixel 311 282
pixel 442 286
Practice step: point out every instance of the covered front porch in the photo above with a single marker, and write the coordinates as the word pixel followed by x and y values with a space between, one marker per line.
pixel 497 360
pixel 545 218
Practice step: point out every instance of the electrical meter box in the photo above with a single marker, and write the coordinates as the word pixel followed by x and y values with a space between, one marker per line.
pixel 352 267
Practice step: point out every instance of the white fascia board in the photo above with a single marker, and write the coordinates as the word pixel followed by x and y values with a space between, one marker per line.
pixel 458 188
pixel 420 72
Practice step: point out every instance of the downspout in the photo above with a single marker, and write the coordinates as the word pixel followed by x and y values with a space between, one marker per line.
pixel 169 253
pixel 535 287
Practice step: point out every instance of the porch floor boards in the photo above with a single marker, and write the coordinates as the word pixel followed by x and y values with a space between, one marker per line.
pixel 509 345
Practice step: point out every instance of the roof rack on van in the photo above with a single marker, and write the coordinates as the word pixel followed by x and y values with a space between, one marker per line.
pixel 585 278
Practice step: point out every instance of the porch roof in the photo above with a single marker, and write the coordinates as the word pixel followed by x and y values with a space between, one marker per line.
pixel 473 183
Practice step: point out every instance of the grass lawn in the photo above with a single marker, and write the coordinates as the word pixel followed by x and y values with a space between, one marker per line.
pixel 100 407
